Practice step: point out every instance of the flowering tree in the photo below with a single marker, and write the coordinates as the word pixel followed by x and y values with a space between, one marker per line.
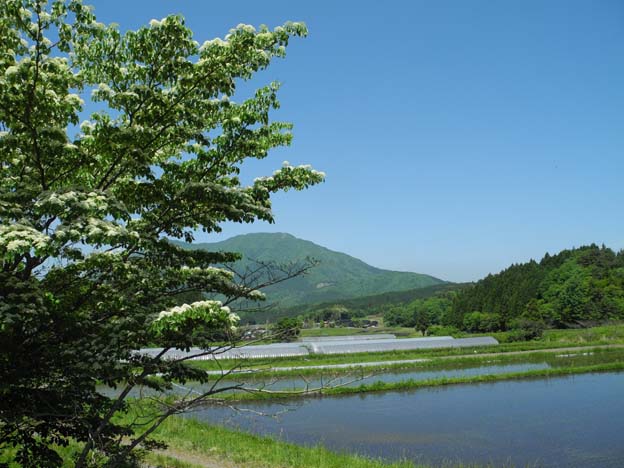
pixel 87 276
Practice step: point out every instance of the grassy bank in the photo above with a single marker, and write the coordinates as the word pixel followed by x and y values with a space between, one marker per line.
pixel 434 363
pixel 193 443
pixel 401 332
pixel 579 335
pixel 329 359
pixel 411 384
pixel 196 443
pixel 191 440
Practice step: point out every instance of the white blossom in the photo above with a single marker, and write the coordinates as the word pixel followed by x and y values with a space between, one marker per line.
pixel 256 295
pixel 246 27
pixel 214 307
pixel 74 100
pixel 20 238
pixel 87 126
pixel 213 42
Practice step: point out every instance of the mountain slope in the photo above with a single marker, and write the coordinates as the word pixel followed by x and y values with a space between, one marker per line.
pixel 338 275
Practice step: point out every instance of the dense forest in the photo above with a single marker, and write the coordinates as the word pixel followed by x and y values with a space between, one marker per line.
pixel 429 315
pixel 571 288
pixel 576 287
pixel 377 304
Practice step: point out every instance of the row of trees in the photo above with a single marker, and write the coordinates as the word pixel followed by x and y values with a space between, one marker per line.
pixel 574 287
pixel 422 314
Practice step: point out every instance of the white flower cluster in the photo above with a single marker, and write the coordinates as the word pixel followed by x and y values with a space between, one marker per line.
pixel 265 36
pixel 286 166
pixel 245 27
pixel 87 126
pixel 91 201
pixel 98 227
pixel 262 179
pixel 218 42
pixel 215 307
pixel 209 270
pixel 20 238
pixel 256 295
pixel 94 231
pixel 74 100
pixel 12 70
pixel 102 92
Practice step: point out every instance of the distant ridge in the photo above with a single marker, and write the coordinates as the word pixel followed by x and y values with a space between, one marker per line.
pixel 338 275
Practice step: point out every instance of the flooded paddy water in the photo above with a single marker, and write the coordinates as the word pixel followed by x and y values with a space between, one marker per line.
pixel 426 370
pixel 573 421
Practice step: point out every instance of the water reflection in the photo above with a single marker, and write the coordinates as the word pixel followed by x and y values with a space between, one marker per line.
pixel 567 422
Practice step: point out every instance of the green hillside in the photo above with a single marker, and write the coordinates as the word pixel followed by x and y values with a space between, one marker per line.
pixel 574 287
pixel 360 306
pixel 379 303
pixel 337 276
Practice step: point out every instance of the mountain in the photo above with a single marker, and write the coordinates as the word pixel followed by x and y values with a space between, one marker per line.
pixel 361 306
pixel 376 303
pixel 337 276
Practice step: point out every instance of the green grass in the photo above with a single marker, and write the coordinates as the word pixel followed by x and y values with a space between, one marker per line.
pixel 596 336
pixel 194 444
pixel 436 363
pixel 68 454
pixel 402 332
pixel 602 334
pixel 251 451
pixel 320 359
pixel 196 440
pixel 159 460
pixel 411 384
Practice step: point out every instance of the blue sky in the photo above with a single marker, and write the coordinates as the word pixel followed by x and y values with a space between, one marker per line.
pixel 458 137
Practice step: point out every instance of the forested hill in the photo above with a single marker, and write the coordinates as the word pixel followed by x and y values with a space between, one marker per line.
pixel 337 276
pixel 575 286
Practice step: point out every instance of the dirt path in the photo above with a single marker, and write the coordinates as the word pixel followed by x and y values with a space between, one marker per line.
pixel 197 459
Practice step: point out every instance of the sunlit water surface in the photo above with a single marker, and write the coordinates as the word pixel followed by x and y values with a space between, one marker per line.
pixel 573 421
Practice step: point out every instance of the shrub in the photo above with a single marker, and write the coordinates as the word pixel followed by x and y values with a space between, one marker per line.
pixel 287 329
pixel 482 322
pixel 526 330
pixel 441 330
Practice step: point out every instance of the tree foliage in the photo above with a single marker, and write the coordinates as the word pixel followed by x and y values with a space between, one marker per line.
pixel 571 288
pixel 87 200
pixel 287 329
pixel 421 313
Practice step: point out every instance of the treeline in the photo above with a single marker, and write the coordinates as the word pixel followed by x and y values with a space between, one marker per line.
pixel 377 304
pixel 576 287
pixel 573 288
pixel 430 315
